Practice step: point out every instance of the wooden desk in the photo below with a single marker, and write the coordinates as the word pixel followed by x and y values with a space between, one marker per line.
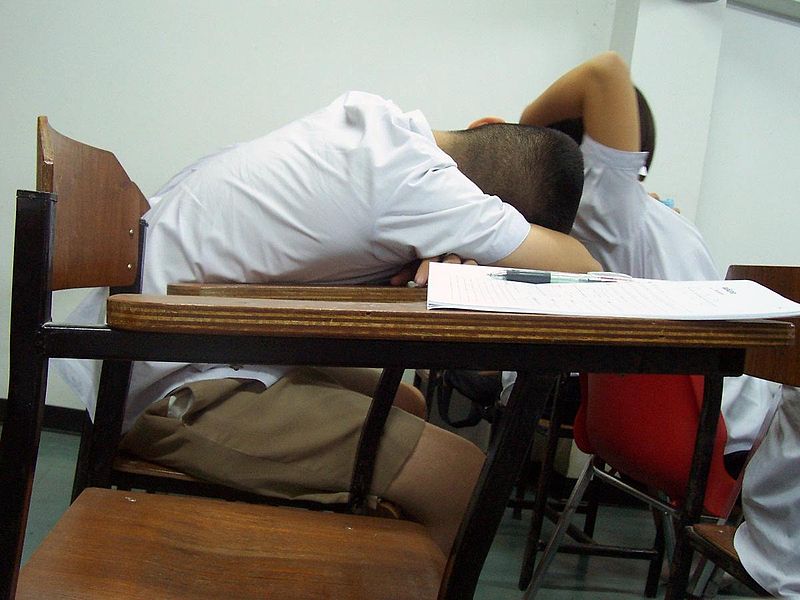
pixel 403 334
pixel 345 293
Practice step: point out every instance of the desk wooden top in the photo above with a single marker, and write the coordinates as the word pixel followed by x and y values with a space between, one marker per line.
pixel 411 321
pixel 347 293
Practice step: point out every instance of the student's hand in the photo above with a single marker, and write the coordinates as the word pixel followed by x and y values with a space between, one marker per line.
pixel 668 202
pixel 415 274
pixel 405 275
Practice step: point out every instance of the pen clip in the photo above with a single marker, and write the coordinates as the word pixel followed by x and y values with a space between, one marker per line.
pixel 608 276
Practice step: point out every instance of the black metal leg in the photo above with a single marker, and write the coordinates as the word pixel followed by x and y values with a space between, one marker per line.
pixel 19 446
pixel 592 506
pixel 503 462
pixel 432 389
pixel 698 476
pixel 523 481
pixel 99 440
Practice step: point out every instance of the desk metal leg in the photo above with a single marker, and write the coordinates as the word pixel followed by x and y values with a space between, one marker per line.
pixel 27 385
pixel 507 453
pixel 696 491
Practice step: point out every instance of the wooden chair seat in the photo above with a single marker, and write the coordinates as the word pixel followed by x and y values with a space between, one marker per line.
pixel 715 542
pixel 146 544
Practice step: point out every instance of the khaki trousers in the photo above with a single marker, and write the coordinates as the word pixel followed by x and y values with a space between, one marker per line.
pixel 296 439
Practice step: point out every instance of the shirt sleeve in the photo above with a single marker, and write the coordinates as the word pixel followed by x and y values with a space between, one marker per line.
pixel 611 207
pixel 439 210
pixel 422 205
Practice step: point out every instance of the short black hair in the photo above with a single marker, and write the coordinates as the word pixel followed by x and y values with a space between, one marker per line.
pixel 537 170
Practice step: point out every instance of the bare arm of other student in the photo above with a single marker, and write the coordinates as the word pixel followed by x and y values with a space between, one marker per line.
pixel 599 91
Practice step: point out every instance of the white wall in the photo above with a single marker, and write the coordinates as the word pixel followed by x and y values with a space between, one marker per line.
pixel 674 62
pixel 161 82
pixel 750 206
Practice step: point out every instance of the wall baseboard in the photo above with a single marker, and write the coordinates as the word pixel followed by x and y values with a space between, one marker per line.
pixel 56 418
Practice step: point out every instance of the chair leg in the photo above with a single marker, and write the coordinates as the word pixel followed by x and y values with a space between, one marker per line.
pixel 540 500
pixel 592 505
pixel 705 579
pixel 434 380
pixel 417 382
pixel 561 529
pixel 523 481
pixel 654 571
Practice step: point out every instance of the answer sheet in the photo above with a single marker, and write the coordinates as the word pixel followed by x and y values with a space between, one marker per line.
pixel 473 288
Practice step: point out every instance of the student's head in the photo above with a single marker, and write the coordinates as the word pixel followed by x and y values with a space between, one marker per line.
pixel 537 170
pixel 647 128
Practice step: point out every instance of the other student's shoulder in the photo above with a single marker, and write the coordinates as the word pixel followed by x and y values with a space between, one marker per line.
pixel 596 154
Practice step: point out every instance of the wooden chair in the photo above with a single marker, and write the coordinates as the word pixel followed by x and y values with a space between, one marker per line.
pixel 74 262
pixel 82 229
pixel 74 267
pixel 714 541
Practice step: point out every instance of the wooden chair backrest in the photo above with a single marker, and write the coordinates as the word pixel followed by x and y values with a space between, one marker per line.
pixel 97 212
pixel 780 364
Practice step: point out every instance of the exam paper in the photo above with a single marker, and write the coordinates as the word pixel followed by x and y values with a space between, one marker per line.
pixel 471 288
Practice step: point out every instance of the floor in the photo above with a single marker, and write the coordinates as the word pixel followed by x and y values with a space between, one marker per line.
pixel 569 578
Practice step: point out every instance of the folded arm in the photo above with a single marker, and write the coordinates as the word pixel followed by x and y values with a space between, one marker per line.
pixel 542 249
pixel 552 251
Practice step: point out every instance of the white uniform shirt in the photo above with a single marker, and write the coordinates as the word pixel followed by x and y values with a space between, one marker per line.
pixel 768 542
pixel 627 230
pixel 345 195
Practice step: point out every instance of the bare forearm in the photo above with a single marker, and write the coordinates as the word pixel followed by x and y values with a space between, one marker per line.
pixel 550 250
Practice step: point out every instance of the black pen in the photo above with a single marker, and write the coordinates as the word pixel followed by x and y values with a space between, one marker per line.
pixel 531 276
